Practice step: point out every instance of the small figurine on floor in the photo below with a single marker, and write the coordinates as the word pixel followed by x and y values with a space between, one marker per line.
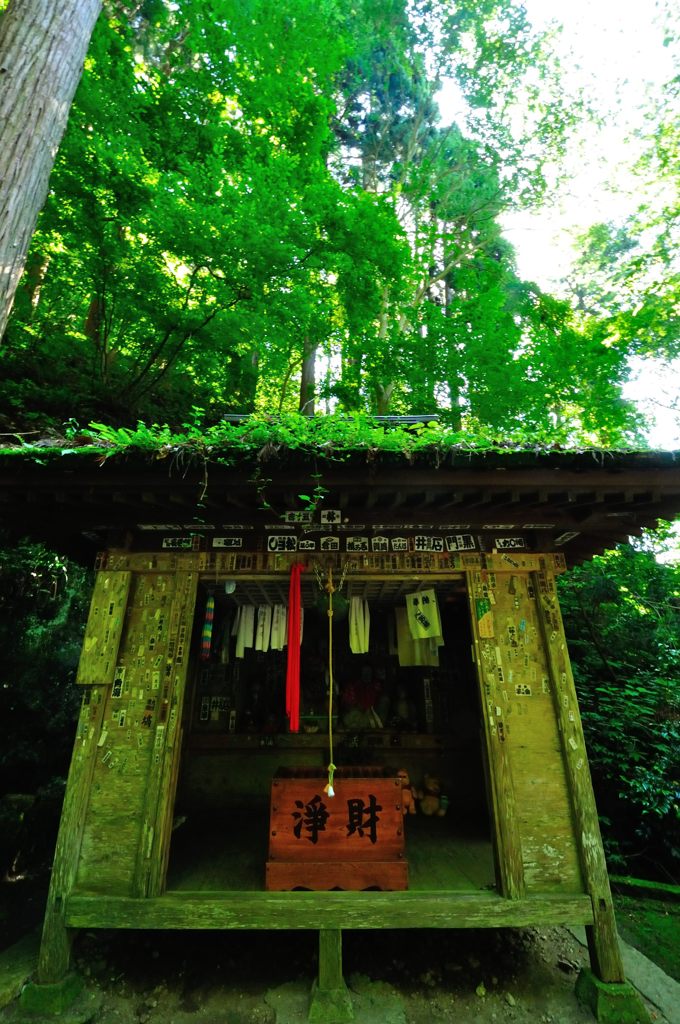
pixel 432 803
pixel 408 803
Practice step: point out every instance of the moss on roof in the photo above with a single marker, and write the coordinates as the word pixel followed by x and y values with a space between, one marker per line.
pixel 333 438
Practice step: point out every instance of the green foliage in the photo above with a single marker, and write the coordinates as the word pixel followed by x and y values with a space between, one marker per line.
pixel 247 193
pixel 327 437
pixel 622 616
pixel 627 275
pixel 43 606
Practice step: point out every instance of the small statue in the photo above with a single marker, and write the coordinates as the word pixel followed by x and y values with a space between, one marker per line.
pixel 432 803
pixel 403 710
pixel 408 803
pixel 358 699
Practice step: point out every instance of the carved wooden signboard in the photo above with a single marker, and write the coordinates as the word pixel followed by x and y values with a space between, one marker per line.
pixel 352 840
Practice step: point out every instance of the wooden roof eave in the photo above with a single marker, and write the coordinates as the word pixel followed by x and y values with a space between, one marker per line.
pixel 602 502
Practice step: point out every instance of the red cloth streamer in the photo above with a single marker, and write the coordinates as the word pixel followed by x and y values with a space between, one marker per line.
pixel 293 668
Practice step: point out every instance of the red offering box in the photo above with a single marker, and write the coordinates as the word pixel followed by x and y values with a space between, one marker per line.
pixel 353 840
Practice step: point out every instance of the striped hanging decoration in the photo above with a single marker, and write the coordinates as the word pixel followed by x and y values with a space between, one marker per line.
pixel 207 631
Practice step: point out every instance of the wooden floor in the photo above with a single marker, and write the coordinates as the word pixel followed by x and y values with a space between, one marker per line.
pixel 228 853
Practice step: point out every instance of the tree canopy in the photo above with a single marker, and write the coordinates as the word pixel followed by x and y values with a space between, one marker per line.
pixel 259 208
pixel 626 279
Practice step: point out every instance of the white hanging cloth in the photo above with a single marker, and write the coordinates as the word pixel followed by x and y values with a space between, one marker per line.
pixel 264 627
pixel 279 627
pixel 410 651
pixel 359 625
pixel 423 615
pixel 246 629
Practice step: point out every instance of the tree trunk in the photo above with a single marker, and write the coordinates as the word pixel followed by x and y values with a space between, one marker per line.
pixel 453 378
pixel 383 399
pixel 93 322
pixel 308 377
pixel 43 44
pixel 36 270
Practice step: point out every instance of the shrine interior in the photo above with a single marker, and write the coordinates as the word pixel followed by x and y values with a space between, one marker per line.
pixel 388 713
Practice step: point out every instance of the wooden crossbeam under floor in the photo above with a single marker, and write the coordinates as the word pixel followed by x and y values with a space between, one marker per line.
pixel 255 910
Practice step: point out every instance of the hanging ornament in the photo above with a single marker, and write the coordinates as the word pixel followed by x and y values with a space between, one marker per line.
pixel 207 631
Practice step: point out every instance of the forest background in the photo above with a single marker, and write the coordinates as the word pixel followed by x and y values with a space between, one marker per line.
pixel 256 210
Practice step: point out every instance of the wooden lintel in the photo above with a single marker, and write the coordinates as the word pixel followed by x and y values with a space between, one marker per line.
pixel 452 498
pixel 127 498
pixel 478 499
pixel 230 500
pixel 151 498
pixel 500 499
pixel 326 910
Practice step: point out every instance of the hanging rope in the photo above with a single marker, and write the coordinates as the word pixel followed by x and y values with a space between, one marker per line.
pixel 328 788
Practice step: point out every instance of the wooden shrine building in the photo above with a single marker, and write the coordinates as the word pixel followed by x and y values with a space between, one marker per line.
pixel 192 803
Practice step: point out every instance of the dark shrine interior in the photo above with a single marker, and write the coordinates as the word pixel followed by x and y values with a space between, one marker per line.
pixel 424 719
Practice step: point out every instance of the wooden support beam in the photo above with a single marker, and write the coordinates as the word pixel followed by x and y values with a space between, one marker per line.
pixel 95 671
pixel 55 948
pixel 331 1002
pixel 507 840
pixel 162 777
pixel 605 954
pixel 360 910
pixel 330 958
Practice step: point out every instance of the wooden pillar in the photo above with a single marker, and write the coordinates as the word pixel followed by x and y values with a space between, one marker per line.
pixel 330 959
pixel 95 671
pixel 161 780
pixel 55 949
pixel 508 845
pixel 331 1002
pixel 603 943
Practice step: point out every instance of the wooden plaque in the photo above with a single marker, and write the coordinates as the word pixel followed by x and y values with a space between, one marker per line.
pixel 353 840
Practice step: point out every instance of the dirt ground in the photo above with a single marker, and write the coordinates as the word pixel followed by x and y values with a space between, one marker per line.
pixel 508 976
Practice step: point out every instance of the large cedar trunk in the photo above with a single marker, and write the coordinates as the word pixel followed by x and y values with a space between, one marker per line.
pixel 43 44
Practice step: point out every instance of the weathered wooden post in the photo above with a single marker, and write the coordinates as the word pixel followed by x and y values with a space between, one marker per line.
pixel 116 821
pixel 604 988
pixel 331 1002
